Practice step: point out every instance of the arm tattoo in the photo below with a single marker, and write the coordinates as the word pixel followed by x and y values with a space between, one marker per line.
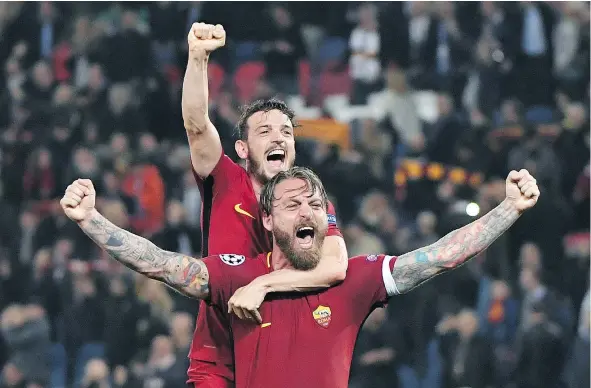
pixel 187 275
pixel 453 250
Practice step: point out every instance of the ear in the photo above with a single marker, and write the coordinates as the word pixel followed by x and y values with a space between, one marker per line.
pixel 268 222
pixel 241 149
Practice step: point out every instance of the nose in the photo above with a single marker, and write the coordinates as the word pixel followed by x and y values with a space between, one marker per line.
pixel 305 212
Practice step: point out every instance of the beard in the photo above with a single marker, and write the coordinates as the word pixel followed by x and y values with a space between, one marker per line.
pixel 256 170
pixel 302 260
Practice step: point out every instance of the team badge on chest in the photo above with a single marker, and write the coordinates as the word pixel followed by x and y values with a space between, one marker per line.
pixel 322 315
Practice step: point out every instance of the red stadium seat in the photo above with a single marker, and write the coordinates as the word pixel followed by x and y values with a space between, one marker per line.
pixel 305 78
pixel 333 82
pixel 61 54
pixel 216 76
pixel 246 79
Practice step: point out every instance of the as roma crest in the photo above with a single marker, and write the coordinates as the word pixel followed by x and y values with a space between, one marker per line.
pixel 322 315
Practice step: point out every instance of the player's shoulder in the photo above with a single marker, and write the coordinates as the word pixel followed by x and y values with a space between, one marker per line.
pixel 226 164
pixel 237 261
pixel 357 262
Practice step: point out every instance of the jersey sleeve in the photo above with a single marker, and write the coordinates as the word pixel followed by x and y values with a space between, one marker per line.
pixel 333 228
pixel 371 280
pixel 224 175
pixel 227 273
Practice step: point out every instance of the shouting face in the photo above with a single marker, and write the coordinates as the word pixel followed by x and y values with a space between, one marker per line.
pixel 269 145
pixel 298 221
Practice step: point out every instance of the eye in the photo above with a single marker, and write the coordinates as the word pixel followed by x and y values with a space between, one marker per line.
pixel 288 132
pixel 264 131
pixel 292 206
pixel 316 206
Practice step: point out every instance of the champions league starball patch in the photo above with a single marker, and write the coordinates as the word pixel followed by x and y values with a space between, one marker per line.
pixel 233 260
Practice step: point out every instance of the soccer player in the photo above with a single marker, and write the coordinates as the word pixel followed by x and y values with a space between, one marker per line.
pixel 231 219
pixel 305 338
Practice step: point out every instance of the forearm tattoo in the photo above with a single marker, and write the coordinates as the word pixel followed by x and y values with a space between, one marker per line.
pixel 185 274
pixel 453 250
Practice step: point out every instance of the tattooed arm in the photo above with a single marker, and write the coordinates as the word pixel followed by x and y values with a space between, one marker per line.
pixel 453 250
pixel 187 275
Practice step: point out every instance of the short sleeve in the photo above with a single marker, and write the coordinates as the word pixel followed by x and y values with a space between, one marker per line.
pixel 370 279
pixel 227 273
pixel 223 277
pixel 224 175
pixel 333 228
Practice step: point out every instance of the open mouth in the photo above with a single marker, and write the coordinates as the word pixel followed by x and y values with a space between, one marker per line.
pixel 305 236
pixel 276 157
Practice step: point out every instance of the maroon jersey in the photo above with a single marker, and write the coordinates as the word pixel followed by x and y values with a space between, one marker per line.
pixel 306 339
pixel 231 222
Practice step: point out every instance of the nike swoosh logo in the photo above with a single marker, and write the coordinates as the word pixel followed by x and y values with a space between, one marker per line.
pixel 266 324
pixel 243 212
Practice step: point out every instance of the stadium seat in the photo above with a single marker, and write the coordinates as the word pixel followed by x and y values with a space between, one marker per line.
pixel 335 83
pixel 86 353
pixel 59 366
pixel 246 79
pixel 333 49
pixel 304 78
pixel 216 77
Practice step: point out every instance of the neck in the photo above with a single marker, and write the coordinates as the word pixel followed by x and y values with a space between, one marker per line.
pixel 257 187
pixel 278 259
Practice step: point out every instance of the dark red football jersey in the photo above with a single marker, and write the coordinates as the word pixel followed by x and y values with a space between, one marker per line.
pixel 231 222
pixel 306 339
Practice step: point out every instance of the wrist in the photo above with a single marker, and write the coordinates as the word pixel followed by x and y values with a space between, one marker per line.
pixel 510 205
pixel 199 55
pixel 264 283
pixel 85 222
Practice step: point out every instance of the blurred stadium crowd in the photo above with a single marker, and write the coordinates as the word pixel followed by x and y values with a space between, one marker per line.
pixel 434 104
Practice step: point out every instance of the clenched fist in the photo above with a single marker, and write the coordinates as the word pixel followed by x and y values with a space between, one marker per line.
pixel 522 190
pixel 78 200
pixel 205 38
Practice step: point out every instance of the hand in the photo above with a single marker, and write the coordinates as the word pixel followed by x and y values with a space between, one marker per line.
pixel 246 301
pixel 79 200
pixel 205 38
pixel 521 190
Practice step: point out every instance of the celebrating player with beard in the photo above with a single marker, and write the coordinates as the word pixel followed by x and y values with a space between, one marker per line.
pixel 306 337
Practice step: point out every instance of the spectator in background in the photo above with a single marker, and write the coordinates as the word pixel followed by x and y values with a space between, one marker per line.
pixel 177 235
pixel 121 313
pixel 143 184
pixel 364 63
pixel 282 55
pixel 445 132
pixel 181 332
pixel 26 330
pixel 163 369
pixel 41 180
pixel 577 370
pixel 96 374
pixel 403 114
pixel 534 24
pixel 542 350
pixel 377 351
pixel 468 357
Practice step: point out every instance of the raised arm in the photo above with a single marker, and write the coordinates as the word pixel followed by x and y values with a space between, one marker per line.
pixel 185 274
pixel 204 140
pixel 456 248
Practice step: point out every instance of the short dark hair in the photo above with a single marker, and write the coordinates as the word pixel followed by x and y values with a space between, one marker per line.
pixel 312 180
pixel 261 106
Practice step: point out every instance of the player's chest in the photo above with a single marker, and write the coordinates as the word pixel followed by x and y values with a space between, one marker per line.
pixel 310 318
pixel 237 220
